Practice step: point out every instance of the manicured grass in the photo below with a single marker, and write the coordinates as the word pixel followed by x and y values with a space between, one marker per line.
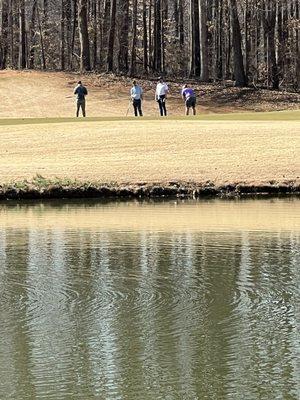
pixel 153 150
pixel 257 116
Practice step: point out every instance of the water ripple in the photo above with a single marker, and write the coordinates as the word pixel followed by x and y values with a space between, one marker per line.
pixel 152 315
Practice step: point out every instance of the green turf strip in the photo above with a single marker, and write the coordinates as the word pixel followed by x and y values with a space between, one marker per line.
pixel 258 116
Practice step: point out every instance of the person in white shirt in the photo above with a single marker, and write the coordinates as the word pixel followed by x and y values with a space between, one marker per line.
pixel 136 95
pixel 161 95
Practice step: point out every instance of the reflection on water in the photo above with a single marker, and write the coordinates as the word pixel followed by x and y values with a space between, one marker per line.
pixel 154 313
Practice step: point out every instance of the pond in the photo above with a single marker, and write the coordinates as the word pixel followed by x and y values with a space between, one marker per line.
pixel 150 300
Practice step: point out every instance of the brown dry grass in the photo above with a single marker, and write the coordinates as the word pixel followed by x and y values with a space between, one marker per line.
pixel 49 94
pixel 132 151
pixel 153 151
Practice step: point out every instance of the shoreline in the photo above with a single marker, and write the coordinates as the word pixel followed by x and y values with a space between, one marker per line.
pixel 42 189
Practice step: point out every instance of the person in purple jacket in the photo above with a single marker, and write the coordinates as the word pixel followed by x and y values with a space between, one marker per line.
pixel 189 96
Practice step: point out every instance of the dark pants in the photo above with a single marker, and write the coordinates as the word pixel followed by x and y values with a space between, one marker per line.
pixel 162 105
pixel 190 102
pixel 137 106
pixel 80 104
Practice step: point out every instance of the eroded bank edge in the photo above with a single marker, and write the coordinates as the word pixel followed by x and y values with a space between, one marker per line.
pixel 41 188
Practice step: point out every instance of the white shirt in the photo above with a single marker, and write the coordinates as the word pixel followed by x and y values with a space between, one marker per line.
pixel 161 89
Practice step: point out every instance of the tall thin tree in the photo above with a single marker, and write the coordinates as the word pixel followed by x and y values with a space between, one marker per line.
pixel 238 63
pixel 85 61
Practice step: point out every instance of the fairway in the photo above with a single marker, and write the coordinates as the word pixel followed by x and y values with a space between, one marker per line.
pixel 221 145
pixel 154 150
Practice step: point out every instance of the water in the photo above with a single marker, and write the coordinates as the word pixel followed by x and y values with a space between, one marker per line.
pixel 174 300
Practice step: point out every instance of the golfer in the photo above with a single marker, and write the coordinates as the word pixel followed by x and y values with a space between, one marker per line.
pixel 80 91
pixel 136 95
pixel 161 96
pixel 189 96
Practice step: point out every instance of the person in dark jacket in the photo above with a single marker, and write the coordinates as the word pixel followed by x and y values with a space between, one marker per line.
pixel 80 91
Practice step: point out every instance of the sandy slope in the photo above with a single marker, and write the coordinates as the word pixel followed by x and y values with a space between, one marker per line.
pixel 50 94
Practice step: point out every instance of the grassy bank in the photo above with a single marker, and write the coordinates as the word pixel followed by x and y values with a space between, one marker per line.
pixel 41 188
pixel 285 116
pixel 110 157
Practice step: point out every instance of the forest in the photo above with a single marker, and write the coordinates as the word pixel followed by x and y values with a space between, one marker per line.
pixel 251 42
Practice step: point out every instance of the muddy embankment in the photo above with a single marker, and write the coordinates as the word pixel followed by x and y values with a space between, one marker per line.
pixel 44 189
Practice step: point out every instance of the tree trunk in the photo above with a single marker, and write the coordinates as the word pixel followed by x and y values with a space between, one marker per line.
pixel 123 36
pixel 164 18
pixel 269 28
pixel 95 34
pixel 219 42
pixel 204 74
pixel 4 35
pixel 145 37
pixel 85 63
pixel 62 36
pixel 41 38
pixel 134 38
pixel 13 40
pixel 32 36
pixel 104 32
pixel 247 38
pixel 197 62
pixel 111 37
pixel 297 50
pixel 239 72
pixel 75 11
pixel 181 24
pixel 150 35
pixel 22 36
pixel 157 36
pixel 191 38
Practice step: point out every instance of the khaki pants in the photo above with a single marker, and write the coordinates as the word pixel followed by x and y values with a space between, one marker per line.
pixel 80 104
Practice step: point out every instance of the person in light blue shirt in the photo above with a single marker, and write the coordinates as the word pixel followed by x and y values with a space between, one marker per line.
pixel 136 95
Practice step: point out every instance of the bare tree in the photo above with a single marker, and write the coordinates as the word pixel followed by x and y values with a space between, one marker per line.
pixel 134 38
pixel 204 75
pixel 111 36
pixel 22 40
pixel 254 41
pixel 85 62
pixel 4 35
pixel 123 36
pixel 238 64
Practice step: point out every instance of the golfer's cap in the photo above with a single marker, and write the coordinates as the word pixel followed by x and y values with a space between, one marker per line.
pixel 79 82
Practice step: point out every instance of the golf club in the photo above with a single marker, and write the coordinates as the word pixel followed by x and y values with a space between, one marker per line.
pixel 129 104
